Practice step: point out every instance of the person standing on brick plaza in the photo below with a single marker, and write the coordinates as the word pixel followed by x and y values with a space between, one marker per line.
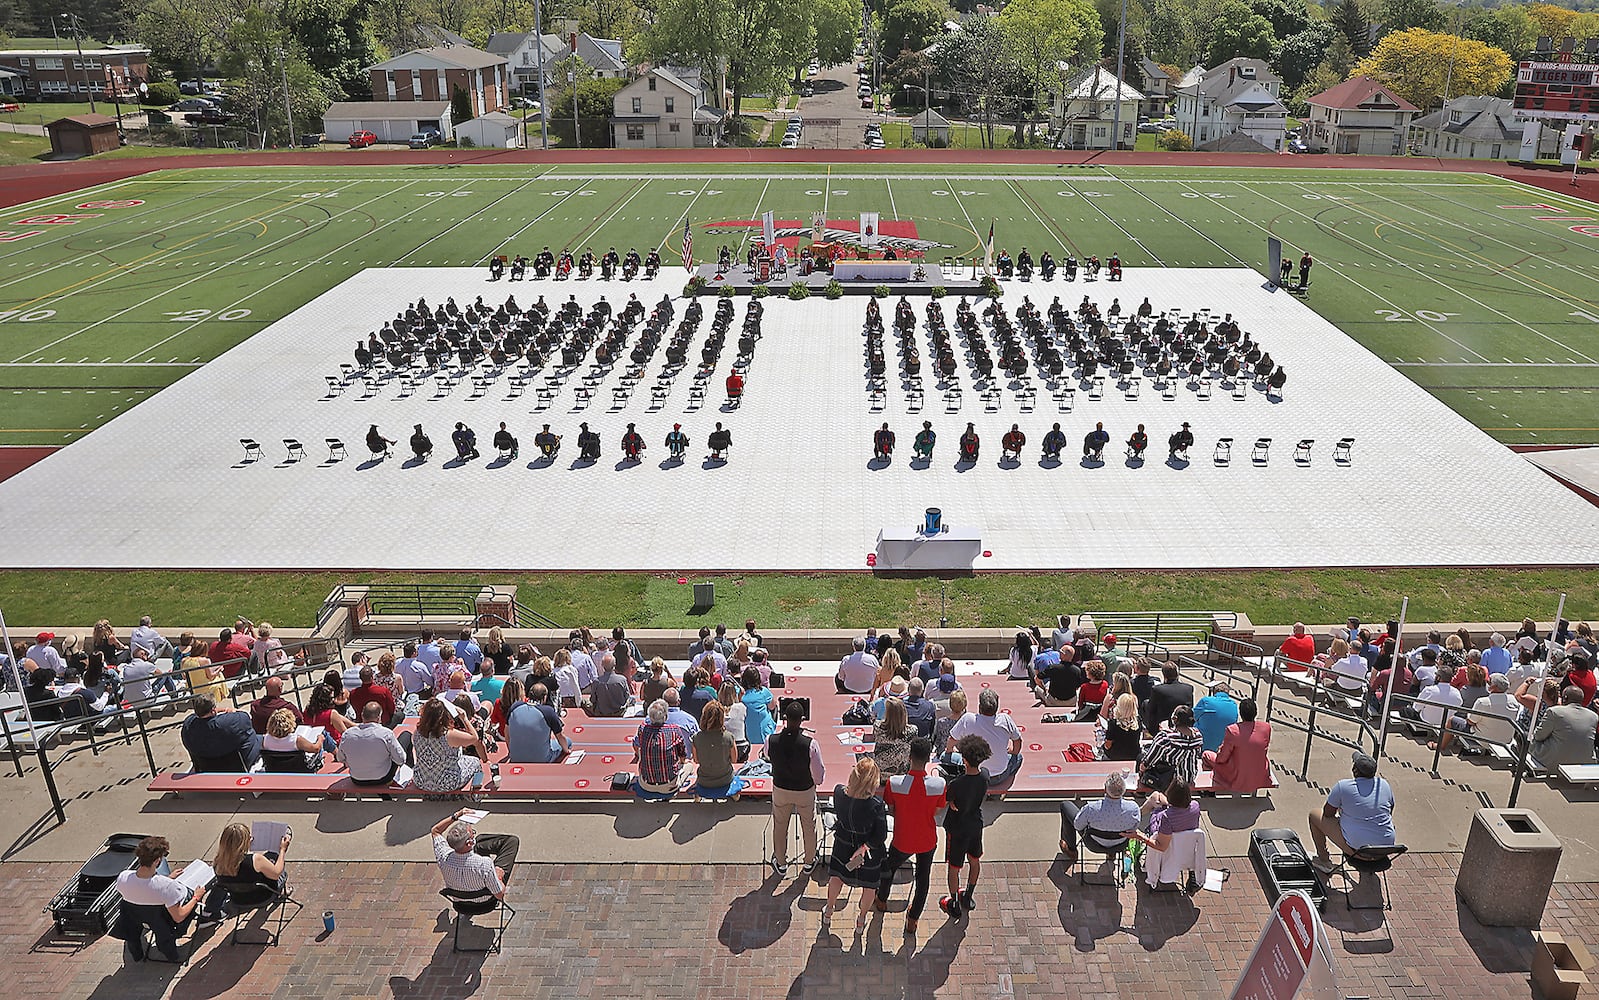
pixel 796 772
pixel 915 799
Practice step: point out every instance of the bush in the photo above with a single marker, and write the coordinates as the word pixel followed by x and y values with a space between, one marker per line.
pixel 881 292
pixel 799 290
pixel 463 142
pixel 161 95
pixel 835 289
pixel 939 291
pixel 726 292
pixel 990 287
pixel 1174 140
pixel 760 292
pixel 695 286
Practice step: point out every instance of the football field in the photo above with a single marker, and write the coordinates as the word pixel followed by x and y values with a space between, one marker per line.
pixel 1481 290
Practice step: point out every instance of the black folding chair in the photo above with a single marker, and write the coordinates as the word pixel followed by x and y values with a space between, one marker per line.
pixel 1113 846
pixel 247 896
pixel 1373 861
pixel 476 904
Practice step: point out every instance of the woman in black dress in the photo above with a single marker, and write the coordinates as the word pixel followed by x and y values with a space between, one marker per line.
pixel 859 839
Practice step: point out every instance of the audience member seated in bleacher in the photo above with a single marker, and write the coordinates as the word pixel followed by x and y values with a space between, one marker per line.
pixel 416 674
pixel 1115 813
pixel 857 672
pixel 144 677
pixel 928 666
pixel 860 838
pixel 998 731
pixel 915 799
pixel 716 756
pixel 1377 686
pixel 697 691
pixel 148 884
pixel 284 749
pixel 202 676
pixel 230 652
pixel 1175 753
pixel 1475 690
pixel 473 862
pixel 1437 695
pixel 1579 673
pixel 486 685
pixel 271 701
pixel 920 711
pixel 238 866
pixel 389 680
pixel 660 749
pixel 1110 656
pixel 656 683
pixel 1565 732
pixel 43 653
pixel 1120 734
pixel 1059 679
pixel 1214 713
pixel 220 741
pixel 891 739
pixel 321 711
pixel 1299 649
pixel 144 636
pixel 1241 765
pixel 1500 727
pixel 952 711
pixel 1091 694
pixel 534 731
pixel 760 707
pixel 374 755
pixel 1359 813
pixel 440 765
pixel 677 717
pixel 797 770
pixel 611 695
pixel 1165 697
pixel 267 653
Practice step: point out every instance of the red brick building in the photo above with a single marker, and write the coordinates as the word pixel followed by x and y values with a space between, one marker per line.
pixel 64 75
pixel 434 74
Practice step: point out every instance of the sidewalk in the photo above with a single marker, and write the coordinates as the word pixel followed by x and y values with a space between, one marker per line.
pixel 667 932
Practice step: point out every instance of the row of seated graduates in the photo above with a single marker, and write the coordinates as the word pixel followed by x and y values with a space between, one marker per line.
pixel 904 329
pixel 716 340
pixel 545 263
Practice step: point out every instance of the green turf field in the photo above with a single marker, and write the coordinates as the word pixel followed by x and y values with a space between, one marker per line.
pixel 1492 308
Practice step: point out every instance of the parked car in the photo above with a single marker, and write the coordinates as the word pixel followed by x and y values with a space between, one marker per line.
pixel 7 108
pixel 866 102
pixel 362 139
pixel 1298 146
pixel 193 104
pixel 1152 128
pixel 789 142
pixel 422 140
pixel 210 116
pixel 807 91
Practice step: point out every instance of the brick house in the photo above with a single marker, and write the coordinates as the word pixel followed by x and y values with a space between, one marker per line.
pixel 433 74
pixel 64 75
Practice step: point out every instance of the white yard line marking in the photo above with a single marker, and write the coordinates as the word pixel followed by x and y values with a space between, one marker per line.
pixel 464 221
pixel 891 206
pixel 1049 230
pixel 672 227
pixel 1118 225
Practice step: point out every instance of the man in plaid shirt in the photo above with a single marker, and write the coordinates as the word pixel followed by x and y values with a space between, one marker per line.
pixel 660 750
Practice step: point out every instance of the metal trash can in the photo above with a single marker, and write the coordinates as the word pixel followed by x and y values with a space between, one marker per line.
pixel 1508 868
pixel 705 595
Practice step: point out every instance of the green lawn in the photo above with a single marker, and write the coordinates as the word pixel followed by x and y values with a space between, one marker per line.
pixel 836 600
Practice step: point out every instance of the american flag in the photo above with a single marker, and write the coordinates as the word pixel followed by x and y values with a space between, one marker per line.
pixel 688 246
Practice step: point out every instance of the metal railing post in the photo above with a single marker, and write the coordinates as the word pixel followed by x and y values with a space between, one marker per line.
pixel 16 758
pixel 50 782
pixel 144 734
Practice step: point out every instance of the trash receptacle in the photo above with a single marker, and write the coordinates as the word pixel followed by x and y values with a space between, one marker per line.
pixel 705 595
pixel 1508 868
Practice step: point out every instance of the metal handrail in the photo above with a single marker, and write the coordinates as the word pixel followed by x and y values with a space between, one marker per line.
pixel 416 603
pixel 1183 626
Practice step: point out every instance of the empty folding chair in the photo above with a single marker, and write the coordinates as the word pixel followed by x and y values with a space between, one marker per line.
pixel 336 452
pixel 1240 388
pixel 252 449
pixel 1224 451
pixel 952 398
pixel 1302 450
pixel 295 448
pixel 335 385
pixel 658 394
pixel 1343 451
pixel 1065 398
pixel 1261 453
pixel 1134 383
pixel 913 400
pixel 1205 388
pixel 1096 388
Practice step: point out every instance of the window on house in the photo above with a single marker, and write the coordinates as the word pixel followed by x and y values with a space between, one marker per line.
pixel 1099 133
pixel 671 105
pixel 638 105
pixel 635 133
pixel 674 127
pixel 652 83
pixel 1496 151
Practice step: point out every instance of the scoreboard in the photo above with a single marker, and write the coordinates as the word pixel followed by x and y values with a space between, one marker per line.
pixel 1558 90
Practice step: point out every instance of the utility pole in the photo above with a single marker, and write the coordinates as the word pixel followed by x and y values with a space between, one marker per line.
pixel 1121 55
pixel 544 107
pixel 288 109
pixel 77 34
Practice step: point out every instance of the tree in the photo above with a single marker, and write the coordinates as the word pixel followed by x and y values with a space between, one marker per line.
pixel 913 24
pixel 835 24
pixel 1351 22
pixel 907 75
pixel 460 105
pixel 1044 35
pixel 1401 15
pixel 1304 51
pixel 1511 29
pixel 265 65
pixel 187 35
pixel 395 24
pixel 1239 31
pixel 1287 17
pixel 1415 64
pixel 757 41
pixel 982 77
pixel 335 41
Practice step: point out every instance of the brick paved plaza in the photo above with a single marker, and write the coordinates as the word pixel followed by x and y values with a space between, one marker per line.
pixel 684 931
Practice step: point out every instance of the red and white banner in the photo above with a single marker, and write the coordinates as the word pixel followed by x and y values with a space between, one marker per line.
pixel 1292 956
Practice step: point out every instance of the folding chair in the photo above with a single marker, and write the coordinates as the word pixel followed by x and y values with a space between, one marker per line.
pixel 335 385
pixel 1065 398
pixel 252 449
pixel 952 399
pixel 878 398
pixel 295 448
pixel 696 394
pixel 518 383
pixel 1111 846
pixel 913 400
pixel 1261 453
pixel 1342 451
pixel 620 395
pixel 246 896
pixel 1027 396
pixel 1096 388
pixel 584 393
pixel 336 452
pixel 1205 388
pixel 658 393
pixel 1240 388
pixel 476 904
pixel 1302 451
pixel 991 400
pixel 1134 383
pixel 1224 451
pixel 1367 861
pixel 546 397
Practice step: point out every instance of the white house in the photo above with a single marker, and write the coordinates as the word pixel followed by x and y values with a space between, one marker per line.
pixel 1359 115
pixel 495 130
pixel 665 109
pixel 1084 114
pixel 1240 95
pixel 1157 88
pixel 389 121
pixel 1472 128
pixel 603 56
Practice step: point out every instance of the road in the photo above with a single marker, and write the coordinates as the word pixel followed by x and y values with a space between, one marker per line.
pixel 836 100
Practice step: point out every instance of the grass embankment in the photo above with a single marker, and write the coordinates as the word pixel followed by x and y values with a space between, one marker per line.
pixel 830 600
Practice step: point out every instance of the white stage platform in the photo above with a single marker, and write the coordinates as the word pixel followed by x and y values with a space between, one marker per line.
pixel 162 485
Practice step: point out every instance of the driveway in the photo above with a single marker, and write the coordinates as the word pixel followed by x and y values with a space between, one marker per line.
pixel 834 118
